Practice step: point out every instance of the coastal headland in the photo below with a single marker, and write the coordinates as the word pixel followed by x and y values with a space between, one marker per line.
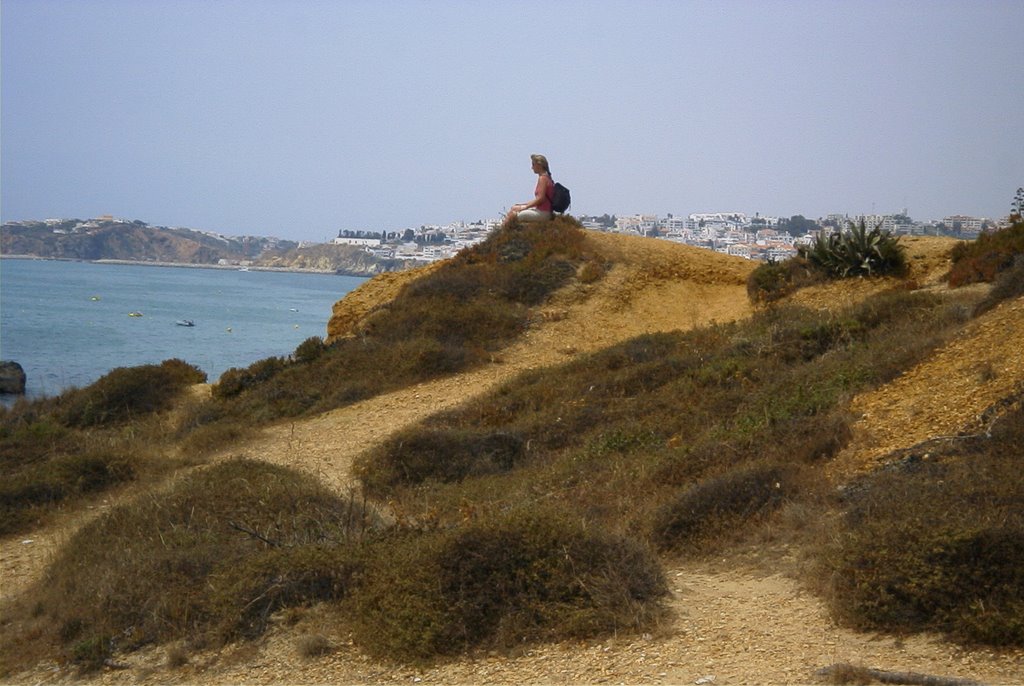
pixel 742 615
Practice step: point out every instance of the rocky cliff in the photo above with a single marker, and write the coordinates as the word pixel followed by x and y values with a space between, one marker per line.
pixel 374 294
pixel 136 241
pixel 113 239
pixel 342 259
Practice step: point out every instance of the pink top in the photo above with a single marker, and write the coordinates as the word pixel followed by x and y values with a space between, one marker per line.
pixel 545 187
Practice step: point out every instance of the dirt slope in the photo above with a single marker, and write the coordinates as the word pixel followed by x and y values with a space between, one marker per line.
pixel 741 622
pixel 655 286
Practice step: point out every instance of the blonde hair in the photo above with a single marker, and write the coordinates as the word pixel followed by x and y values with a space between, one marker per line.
pixel 542 161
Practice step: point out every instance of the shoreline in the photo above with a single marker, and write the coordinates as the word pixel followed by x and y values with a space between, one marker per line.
pixel 48 375
pixel 191 265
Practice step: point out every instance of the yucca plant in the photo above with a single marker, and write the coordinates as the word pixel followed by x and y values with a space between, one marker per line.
pixel 856 252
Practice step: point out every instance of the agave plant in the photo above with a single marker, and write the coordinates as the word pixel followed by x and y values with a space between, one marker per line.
pixel 856 252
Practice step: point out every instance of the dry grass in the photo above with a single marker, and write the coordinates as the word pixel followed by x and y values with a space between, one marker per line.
pixel 936 542
pixel 451 319
pixel 526 575
pixel 85 441
pixel 209 559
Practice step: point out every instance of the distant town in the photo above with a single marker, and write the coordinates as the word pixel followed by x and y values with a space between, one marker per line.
pixel 755 237
pixel 365 252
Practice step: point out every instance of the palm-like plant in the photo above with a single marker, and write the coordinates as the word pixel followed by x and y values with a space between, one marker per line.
pixel 857 252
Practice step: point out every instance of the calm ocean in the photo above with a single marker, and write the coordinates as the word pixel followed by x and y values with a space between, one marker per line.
pixel 67 323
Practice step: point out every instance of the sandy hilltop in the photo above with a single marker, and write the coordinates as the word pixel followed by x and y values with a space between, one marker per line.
pixel 743 620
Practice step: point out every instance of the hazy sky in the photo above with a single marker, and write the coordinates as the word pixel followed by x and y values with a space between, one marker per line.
pixel 298 118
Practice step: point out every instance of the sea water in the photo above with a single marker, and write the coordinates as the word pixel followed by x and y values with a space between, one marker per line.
pixel 67 323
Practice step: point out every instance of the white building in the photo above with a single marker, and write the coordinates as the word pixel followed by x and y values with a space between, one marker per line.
pixel 673 225
pixel 642 224
pixel 357 241
pixel 967 225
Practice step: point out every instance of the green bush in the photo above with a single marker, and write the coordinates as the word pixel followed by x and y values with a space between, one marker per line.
pixel 856 252
pixel 496 584
pixel 126 393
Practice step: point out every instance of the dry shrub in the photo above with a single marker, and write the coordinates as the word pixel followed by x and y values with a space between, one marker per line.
pixel 32 491
pixel 1008 284
pixel 30 435
pixel 455 317
pixel 982 259
pixel 844 673
pixel 422 454
pixel 56 450
pixel 235 380
pixel 706 513
pixel 772 281
pixel 176 657
pixel 126 393
pixel 243 598
pixel 207 438
pixel 523 577
pixel 203 426
pixel 312 646
pixel 347 372
pixel 210 559
pixel 614 435
pixel 309 350
pixel 591 271
pixel 937 543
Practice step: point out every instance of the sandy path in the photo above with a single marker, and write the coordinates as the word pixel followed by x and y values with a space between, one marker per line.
pixel 651 290
pixel 733 625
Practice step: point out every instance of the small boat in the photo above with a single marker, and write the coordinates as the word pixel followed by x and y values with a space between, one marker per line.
pixel 94 298
pixel 134 314
pixel 185 322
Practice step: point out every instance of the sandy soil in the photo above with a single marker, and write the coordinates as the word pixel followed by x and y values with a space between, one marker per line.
pixel 735 621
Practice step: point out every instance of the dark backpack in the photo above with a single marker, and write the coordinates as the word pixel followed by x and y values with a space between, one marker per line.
pixel 560 199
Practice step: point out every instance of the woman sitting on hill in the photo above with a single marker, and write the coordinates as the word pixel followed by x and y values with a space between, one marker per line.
pixel 540 207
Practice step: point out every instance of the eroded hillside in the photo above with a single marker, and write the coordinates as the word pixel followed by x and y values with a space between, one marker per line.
pixel 658 286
